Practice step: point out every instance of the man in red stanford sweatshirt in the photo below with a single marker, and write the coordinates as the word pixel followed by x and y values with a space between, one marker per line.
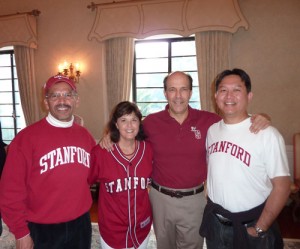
pixel 44 194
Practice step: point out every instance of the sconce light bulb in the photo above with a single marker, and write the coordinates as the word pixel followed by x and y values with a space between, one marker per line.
pixel 60 68
pixel 70 70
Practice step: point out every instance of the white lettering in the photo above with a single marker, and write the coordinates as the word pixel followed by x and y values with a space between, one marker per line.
pixel 59 158
pixel 62 156
pixel 120 185
pixel 43 164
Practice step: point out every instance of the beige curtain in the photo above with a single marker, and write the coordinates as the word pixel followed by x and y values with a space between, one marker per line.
pixel 213 56
pixel 24 57
pixel 119 54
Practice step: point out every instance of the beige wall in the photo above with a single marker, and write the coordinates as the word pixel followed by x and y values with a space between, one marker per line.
pixel 268 51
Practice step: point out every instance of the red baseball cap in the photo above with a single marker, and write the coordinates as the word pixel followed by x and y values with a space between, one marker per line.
pixel 59 78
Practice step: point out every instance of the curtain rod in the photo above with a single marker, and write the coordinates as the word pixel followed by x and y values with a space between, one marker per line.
pixel 34 12
pixel 94 6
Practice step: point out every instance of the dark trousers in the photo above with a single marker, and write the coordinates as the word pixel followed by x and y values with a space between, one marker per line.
pixel 75 234
pixel 223 237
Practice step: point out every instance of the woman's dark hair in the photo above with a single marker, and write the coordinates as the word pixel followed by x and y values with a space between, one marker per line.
pixel 124 108
pixel 236 71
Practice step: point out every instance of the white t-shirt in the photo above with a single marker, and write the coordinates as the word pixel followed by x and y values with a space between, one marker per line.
pixel 241 164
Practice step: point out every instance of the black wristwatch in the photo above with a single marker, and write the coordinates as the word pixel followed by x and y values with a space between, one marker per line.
pixel 260 233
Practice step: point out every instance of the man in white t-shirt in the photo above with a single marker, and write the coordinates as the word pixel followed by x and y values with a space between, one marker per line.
pixel 248 179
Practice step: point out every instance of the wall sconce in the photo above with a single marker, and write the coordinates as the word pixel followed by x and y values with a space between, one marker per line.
pixel 71 71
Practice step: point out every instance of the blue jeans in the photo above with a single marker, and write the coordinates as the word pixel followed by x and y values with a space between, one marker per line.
pixel 75 234
pixel 223 237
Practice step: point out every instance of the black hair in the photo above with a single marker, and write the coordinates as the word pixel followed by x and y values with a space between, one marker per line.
pixel 124 108
pixel 236 71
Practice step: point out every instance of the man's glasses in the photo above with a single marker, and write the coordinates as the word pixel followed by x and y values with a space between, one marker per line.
pixel 56 96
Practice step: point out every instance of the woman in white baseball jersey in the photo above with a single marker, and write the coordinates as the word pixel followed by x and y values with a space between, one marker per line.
pixel 124 210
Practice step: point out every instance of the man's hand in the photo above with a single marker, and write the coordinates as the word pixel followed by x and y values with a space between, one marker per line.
pixel 251 231
pixel 24 243
pixel 275 202
pixel 259 122
pixel 106 143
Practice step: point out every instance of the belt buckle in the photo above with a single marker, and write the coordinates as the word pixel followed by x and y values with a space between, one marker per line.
pixel 176 194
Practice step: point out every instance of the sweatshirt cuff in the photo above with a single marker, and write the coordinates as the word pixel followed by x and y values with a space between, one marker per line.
pixel 21 233
pixel 24 236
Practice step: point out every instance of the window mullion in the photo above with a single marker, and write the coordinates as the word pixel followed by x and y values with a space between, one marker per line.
pixel 134 84
pixel 169 56
pixel 14 114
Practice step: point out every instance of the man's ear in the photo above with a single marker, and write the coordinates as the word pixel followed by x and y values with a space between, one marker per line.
pixel 165 94
pixel 191 93
pixel 250 96
pixel 77 101
pixel 46 104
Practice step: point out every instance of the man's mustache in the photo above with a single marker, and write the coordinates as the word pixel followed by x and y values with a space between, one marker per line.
pixel 62 106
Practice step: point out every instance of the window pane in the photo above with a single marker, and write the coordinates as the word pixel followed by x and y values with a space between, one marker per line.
pixel 7 135
pixel 183 48
pixel 151 49
pixel 195 95
pixel 5 72
pixel 17 98
pixel 6 110
pixel 147 80
pixel 5 60
pixel 151 65
pixel 194 75
pixel 195 105
pixel 150 95
pixel 19 110
pixel 5 85
pixel 15 71
pixel 7 122
pixel 148 108
pixel 16 85
pixel 5 97
pixel 184 63
pixel 20 123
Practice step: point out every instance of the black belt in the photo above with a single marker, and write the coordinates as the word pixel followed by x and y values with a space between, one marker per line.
pixel 177 193
pixel 227 222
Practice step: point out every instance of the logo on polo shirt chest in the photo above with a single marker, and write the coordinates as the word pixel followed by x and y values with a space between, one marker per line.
pixel 196 132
